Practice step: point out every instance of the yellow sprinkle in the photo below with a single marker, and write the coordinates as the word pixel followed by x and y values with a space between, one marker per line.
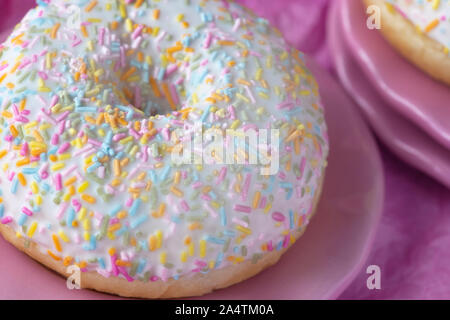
pixel 34 187
pixel 63 236
pixel 156 14
pixel 3 153
pixel 159 238
pixel 123 11
pixel 184 256
pixel 202 248
pixel 58 166
pixel 435 4
pixel 163 257
pixel 243 229
pixel 32 229
pixel 83 186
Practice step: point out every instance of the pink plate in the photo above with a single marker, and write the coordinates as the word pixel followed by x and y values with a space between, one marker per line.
pixel 409 91
pixel 408 142
pixel 319 266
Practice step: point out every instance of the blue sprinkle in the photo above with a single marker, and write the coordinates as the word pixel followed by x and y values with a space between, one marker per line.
pixel 165 173
pixel 138 221
pixel 223 216
pixel 141 266
pixel 70 217
pixel 102 263
pixel 135 207
pixel 115 210
pixel 215 240
pixel 14 185
pixel 2 210
pixel 291 219
pixel 22 219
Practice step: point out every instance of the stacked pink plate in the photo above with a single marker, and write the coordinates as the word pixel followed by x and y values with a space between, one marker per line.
pixel 408 110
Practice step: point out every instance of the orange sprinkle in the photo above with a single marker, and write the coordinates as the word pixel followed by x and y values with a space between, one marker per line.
pixel 14 131
pixel 169 98
pixel 138 3
pixel 67 261
pixel 155 88
pixel 56 243
pixel 114 25
pixel 88 198
pixel 122 263
pixel 23 162
pixel 156 14
pixel 176 191
pixel 91 6
pixel 152 243
pixel 55 30
pixel 51 254
pixel 116 166
pixel 22 179
pixel 225 43
pixel 433 24
pixel 127 74
pixel 84 31
pixel 3 153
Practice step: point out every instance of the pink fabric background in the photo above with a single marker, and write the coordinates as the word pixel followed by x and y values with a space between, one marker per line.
pixel 413 239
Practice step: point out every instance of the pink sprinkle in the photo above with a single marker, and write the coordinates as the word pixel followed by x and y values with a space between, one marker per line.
pixel 55 139
pixel 222 174
pixel 114 270
pixel 242 208
pixel 208 40
pixel 6 220
pixel 278 216
pixel 286 241
pixel 63 148
pixel 184 205
pixel 246 187
pixel 24 149
pixel 197 185
pixel 27 211
pixel 123 271
pixel 62 209
pixel 76 204
pixel 58 182
pixel 101 36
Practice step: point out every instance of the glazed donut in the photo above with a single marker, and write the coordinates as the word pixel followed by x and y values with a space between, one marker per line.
pixel 420 31
pixel 97 99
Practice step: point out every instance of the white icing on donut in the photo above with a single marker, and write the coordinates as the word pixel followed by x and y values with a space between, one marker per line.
pixel 86 171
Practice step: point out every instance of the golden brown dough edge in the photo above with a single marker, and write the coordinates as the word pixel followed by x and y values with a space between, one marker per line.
pixel 186 286
pixel 421 50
